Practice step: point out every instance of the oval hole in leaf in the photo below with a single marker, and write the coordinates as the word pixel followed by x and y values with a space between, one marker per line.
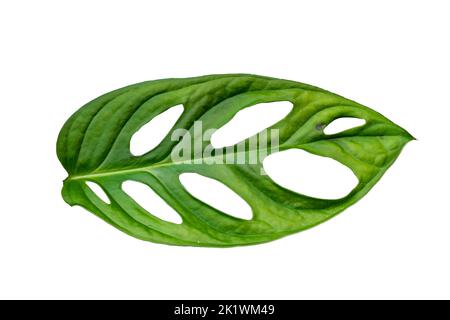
pixel 217 195
pixel 342 124
pixel 149 200
pixel 249 122
pixel 310 175
pixel 98 191
pixel 151 134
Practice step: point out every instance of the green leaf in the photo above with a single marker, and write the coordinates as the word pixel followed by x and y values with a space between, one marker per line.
pixel 94 145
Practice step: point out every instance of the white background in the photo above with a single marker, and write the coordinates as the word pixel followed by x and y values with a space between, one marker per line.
pixel 392 56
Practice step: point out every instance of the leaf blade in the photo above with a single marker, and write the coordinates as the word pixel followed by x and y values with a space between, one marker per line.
pixel 94 146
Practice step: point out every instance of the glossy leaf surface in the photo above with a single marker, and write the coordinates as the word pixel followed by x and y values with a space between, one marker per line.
pixel 94 145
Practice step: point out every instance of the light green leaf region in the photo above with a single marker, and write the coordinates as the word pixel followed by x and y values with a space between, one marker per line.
pixel 94 146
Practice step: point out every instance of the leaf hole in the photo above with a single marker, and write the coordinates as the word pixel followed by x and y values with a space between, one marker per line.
pixel 98 191
pixel 217 195
pixel 150 201
pixel 249 122
pixel 311 175
pixel 342 124
pixel 150 135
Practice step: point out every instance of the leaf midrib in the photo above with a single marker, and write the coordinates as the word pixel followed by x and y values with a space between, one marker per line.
pixel 150 167
pixel 165 163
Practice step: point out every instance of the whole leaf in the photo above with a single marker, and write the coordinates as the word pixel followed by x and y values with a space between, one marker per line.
pixel 94 145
